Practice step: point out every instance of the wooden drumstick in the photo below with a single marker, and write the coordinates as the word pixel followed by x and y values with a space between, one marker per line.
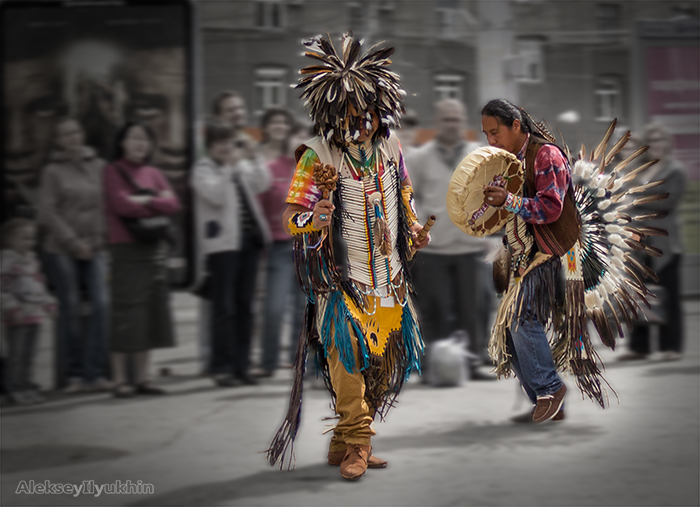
pixel 423 233
pixel 426 228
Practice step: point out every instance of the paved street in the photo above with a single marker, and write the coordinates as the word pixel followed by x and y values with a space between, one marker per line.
pixel 200 445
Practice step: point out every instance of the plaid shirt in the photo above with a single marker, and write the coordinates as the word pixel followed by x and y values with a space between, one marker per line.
pixel 552 179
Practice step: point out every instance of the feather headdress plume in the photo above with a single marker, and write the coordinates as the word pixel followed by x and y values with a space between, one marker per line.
pixel 339 85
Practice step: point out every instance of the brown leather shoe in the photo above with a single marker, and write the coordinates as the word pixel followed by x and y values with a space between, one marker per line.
pixel 548 406
pixel 354 463
pixel 335 458
pixel 526 417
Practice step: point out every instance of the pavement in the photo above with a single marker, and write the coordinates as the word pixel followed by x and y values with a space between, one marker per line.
pixel 201 445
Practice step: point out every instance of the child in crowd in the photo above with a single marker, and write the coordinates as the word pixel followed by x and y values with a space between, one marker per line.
pixel 26 303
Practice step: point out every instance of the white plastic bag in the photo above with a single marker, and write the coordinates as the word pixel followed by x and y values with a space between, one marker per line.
pixel 448 364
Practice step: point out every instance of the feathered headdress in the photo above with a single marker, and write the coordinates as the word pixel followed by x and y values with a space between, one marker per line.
pixel 341 83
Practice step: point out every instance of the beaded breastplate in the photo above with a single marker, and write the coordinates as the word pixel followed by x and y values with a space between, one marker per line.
pixel 365 201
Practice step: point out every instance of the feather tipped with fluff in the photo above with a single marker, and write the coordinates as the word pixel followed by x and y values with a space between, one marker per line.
pixel 657 215
pixel 645 187
pixel 636 190
pixel 618 324
pixel 634 245
pixel 650 198
pixel 643 269
pixel 645 199
pixel 635 172
pixel 623 310
pixel 617 148
pixel 650 231
pixel 600 149
pixel 638 153
pixel 653 251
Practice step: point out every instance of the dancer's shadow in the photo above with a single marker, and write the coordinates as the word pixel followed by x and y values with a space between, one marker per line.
pixel 315 478
pixel 312 478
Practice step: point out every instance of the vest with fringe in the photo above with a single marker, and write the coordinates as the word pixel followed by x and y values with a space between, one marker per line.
pixel 550 291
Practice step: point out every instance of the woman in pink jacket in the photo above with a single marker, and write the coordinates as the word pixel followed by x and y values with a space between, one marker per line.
pixel 141 317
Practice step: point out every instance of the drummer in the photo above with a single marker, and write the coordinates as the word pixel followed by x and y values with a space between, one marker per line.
pixel 545 208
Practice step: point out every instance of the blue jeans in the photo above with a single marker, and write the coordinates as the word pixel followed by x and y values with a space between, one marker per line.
pixel 531 357
pixel 84 352
pixel 280 286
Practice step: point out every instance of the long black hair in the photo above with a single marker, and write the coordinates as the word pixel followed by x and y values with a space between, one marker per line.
pixel 122 133
pixel 507 113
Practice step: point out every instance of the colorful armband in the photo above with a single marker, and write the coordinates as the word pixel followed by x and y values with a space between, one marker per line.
pixel 513 203
pixel 302 223
pixel 409 204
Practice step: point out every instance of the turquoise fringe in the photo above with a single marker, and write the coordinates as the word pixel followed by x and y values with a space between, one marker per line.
pixel 338 315
pixel 412 341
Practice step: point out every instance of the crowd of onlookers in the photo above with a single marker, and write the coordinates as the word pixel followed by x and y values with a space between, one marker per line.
pixel 104 235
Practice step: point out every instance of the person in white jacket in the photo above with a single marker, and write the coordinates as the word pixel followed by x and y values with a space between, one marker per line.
pixel 448 274
pixel 231 232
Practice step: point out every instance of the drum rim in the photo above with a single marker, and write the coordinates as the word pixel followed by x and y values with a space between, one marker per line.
pixel 456 196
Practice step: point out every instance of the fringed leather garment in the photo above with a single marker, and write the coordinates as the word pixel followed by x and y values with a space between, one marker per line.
pixel 552 282
pixel 347 278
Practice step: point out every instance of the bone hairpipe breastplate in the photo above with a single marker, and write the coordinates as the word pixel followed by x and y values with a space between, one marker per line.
pixel 365 263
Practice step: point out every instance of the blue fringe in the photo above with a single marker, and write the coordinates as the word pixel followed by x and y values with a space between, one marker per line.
pixel 338 315
pixel 410 332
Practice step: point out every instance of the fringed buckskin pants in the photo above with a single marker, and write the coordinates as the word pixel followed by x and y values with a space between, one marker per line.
pixel 354 426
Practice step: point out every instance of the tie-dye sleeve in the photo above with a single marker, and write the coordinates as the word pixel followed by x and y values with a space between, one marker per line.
pixel 303 190
pixel 552 179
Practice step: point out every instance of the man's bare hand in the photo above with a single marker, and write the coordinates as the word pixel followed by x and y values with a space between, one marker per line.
pixel 415 245
pixel 323 212
pixel 495 196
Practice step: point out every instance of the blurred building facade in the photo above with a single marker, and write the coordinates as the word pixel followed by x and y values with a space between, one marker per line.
pixel 577 64
pixel 568 62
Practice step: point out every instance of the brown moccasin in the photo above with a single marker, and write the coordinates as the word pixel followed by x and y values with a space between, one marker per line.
pixel 335 458
pixel 526 418
pixel 354 463
pixel 548 406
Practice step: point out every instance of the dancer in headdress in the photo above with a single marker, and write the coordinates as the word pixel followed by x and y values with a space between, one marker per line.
pixel 565 256
pixel 350 209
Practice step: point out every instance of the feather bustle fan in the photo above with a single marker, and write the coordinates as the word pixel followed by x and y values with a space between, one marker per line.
pixel 613 276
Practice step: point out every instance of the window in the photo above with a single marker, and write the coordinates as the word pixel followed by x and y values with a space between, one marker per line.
pixel 448 86
pixel 446 18
pixel 608 21
pixel 608 98
pixel 386 5
pixel 608 17
pixel 270 88
pixel 268 14
pixel 531 67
